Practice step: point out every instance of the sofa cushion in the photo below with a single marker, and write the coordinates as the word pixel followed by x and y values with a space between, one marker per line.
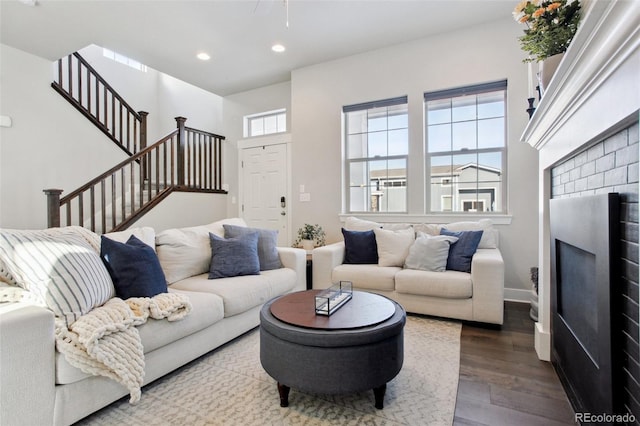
pixel 59 267
pixel 372 277
pixel 354 224
pixel 146 234
pixel 360 247
pixel 393 246
pixel 447 284
pixel 461 252
pixel 185 252
pixel 232 257
pixel 134 268
pixel 207 309
pixel 242 293
pixel 429 253
pixel 488 240
pixel 267 244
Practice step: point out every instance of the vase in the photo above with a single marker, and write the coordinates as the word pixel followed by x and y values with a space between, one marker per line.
pixel 546 70
pixel 308 244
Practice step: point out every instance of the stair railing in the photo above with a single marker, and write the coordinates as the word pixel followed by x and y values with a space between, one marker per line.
pixel 79 83
pixel 184 160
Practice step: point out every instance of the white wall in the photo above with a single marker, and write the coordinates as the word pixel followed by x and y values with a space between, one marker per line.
pixel 162 96
pixel 51 145
pixel 46 130
pixel 237 106
pixel 476 55
pixel 184 209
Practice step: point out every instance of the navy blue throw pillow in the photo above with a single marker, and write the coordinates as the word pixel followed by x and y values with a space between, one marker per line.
pixel 231 257
pixel 134 268
pixel 360 247
pixel 461 252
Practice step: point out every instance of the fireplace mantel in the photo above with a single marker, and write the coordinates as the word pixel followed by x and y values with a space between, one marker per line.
pixel 597 84
pixel 594 93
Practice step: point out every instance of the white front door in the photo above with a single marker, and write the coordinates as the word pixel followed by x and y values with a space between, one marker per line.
pixel 264 189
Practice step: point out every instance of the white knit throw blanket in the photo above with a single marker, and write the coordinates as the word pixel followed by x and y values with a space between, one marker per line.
pixel 105 341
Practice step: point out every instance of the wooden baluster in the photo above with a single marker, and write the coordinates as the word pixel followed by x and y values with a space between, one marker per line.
pixel 60 82
pixel 79 71
pixel 113 201
pixel 103 207
pixel 69 71
pixel 89 90
pixel 123 195
pixel 53 207
pixel 92 193
pixel 143 135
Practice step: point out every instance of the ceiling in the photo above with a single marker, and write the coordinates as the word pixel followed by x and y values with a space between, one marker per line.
pixel 237 34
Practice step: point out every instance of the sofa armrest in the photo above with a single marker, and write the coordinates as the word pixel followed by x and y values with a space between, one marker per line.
pixel 296 259
pixel 27 364
pixel 326 258
pixel 487 276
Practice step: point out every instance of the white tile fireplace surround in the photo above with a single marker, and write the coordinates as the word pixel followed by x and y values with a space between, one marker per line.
pixel 594 94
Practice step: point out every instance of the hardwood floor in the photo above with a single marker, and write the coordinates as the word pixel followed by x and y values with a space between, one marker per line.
pixel 502 381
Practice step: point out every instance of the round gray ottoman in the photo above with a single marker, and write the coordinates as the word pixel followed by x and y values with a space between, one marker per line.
pixel 332 361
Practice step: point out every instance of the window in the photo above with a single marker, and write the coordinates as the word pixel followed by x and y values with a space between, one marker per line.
pixel 124 60
pixel 466 148
pixel 265 123
pixel 377 146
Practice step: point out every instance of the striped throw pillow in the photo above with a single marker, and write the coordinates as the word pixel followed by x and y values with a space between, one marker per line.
pixel 60 268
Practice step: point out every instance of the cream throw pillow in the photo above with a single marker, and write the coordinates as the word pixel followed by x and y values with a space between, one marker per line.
pixel 488 240
pixel 186 252
pixel 146 234
pixel 393 246
pixel 354 224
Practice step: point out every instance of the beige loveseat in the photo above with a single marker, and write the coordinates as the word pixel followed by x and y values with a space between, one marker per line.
pixel 477 295
pixel 38 386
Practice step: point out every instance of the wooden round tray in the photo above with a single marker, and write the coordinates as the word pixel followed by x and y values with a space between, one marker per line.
pixel 363 310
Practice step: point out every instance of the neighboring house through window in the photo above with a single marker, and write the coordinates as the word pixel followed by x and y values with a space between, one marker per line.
pixel 376 147
pixel 466 148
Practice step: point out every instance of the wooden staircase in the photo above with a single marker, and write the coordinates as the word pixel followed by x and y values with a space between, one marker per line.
pixel 187 159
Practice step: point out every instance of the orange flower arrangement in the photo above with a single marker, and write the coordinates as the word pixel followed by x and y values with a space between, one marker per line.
pixel 551 26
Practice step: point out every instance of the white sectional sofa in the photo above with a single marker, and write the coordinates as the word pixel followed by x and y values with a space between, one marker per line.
pixel 477 295
pixel 38 386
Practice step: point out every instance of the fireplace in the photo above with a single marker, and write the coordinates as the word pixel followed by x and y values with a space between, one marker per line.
pixel 585 129
pixel 584 241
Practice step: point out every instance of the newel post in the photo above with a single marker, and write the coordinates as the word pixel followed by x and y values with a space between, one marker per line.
pixel 53 207
pixel 182 143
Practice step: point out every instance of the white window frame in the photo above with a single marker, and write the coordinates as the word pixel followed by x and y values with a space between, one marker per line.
pixel 252 120
pixel 117 57
pixel 367 160
pixel 452 94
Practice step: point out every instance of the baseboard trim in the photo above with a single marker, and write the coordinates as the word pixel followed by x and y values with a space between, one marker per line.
pixel 517 295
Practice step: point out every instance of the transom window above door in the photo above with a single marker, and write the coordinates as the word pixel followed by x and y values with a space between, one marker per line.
pixel 265 123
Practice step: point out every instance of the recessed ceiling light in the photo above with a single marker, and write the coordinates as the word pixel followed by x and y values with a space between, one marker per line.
pixel 203 56
pixel 278 48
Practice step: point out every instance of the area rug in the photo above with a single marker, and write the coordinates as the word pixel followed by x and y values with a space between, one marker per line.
pixel 229 387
